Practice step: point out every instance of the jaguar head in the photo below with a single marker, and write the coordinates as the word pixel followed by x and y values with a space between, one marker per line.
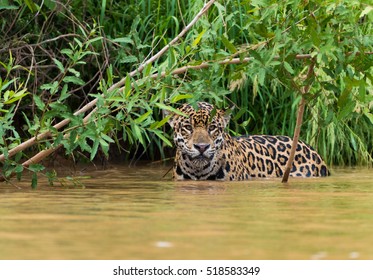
pixel 199 133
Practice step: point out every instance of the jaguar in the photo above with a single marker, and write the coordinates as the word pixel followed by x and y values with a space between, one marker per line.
pixel 205 151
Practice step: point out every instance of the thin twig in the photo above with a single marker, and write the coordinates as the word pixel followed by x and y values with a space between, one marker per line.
pixel 298 125
pixel 40 43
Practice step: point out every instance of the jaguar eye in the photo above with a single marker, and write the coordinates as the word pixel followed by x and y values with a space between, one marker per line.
pixel 188 127
pixel 212 127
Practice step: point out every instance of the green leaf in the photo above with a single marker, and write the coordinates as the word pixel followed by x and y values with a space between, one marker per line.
pixel 64 93
pixel 102 14
pixel 239 114
pixel 4 5
pixel 125 40
pixel 84 146
pixel 362 91
pixel 315 37
pixel 261 76
pixel 369 116
pixel 94 149
pixel 5 85
pixel 80 44
pixel 170 109
pixel 58 139
pixel 162 137
pixel 288 67
pixel 180 97
pixel 31 5
pixel 18 157
pixel 107 138
pixel 353 142
pixel 232 49
pixel 160 123
pixel 38 102
pixel 137 133
pixel 19 176
pixel 82 29
pixel 51 4
pixel 128 88
pixel 18 169
pixel 143 46
pixel 36 167
pixel 68 52
pixel 89 42
pixel 52 88
pixel 198 39
pixel 104 146
pixel 16 96
pixel 74 80
pixel 346 110
pixel 74 72
pixel 345 97
pixel 329 72
pixel 147 70
pixel 143 117
pixel 59 107
pixel 128 59
pixel 52 176
pixel 59 65
pixel 34 181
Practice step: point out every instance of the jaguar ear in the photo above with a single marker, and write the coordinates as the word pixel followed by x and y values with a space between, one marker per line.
pixel 170 116
pixel 227 115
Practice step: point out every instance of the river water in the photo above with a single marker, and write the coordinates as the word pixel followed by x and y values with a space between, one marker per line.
pixel 134 213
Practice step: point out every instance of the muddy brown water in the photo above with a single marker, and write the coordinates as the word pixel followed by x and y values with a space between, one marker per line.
pixel 132 213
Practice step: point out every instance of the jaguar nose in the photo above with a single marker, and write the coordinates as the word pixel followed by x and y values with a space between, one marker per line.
pixel 201 147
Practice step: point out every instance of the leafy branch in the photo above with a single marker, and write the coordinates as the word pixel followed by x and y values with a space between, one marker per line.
pixel 41 155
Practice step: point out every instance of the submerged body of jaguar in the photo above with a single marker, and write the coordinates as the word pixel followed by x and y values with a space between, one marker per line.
pixel 206 152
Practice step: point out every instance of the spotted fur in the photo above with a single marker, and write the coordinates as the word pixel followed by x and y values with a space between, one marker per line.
pixel 204 151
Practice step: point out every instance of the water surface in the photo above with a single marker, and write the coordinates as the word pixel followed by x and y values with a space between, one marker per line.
pixel 133 213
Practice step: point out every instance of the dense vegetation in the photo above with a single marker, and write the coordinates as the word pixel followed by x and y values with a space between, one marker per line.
pixel 56 57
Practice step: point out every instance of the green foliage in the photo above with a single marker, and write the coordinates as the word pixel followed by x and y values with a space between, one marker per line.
pixel 11 94
pixel 56 57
